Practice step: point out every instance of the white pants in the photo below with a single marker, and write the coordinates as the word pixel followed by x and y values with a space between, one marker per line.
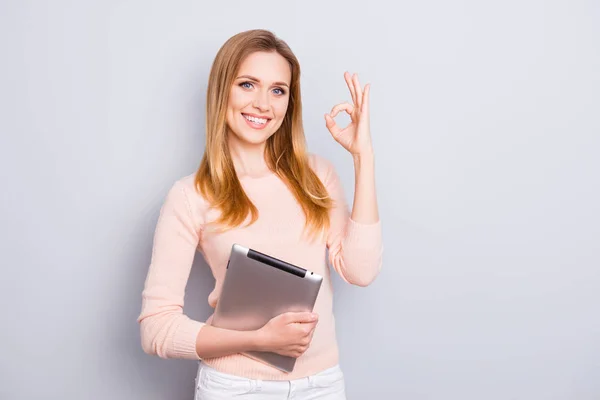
pixel 215 385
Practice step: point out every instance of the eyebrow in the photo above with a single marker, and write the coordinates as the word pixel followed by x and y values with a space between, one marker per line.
pixel 258 80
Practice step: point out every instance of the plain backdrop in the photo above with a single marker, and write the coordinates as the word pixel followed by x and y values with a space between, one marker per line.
pixel 486 127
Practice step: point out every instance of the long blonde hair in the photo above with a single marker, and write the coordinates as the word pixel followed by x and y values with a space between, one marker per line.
pixel 285 151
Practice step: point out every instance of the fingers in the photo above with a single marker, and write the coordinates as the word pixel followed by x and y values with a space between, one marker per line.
pixel 307 329
pixel 349 108
pixel 306 337
pixel 329 118
pixel 311 334
pixel 365 101
pixel 359 97
pixel 301 317
pixel 350 84
pixel 358 91
pixel 304 342
pixel 300 335
pixel 298 351
pixel 332 125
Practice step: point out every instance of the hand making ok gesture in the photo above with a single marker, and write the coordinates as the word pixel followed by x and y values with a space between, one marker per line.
pixel 356 137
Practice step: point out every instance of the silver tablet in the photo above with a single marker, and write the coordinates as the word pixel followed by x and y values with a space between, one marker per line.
pixel 258 287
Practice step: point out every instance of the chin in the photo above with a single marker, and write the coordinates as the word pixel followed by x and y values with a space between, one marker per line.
pixel 257 140
pixel 251 136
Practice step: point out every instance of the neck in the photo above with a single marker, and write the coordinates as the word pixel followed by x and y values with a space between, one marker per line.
pixel 248 158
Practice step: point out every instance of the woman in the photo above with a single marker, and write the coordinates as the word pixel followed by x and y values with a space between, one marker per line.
pixel 258 186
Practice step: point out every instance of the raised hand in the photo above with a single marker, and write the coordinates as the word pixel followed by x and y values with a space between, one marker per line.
pixel 356 137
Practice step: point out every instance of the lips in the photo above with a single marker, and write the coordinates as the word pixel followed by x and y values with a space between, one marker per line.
pixel 257 116
pixel 255 125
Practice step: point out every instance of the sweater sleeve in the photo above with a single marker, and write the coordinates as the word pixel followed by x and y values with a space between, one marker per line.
pixel 165 330
pixel 355 249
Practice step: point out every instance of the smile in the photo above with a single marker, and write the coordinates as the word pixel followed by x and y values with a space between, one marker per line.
pixel 256 123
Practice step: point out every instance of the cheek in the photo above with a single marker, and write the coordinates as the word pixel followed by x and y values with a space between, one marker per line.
pixel 234 107
pixel 238 99
pixel 281 108
pixel 236 103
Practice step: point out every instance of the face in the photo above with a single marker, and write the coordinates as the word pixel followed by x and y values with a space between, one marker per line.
pixel 259 97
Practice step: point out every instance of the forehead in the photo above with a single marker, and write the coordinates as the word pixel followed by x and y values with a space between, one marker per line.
pixel 266 66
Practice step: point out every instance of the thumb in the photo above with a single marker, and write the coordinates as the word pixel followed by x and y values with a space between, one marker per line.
pixel 305 317
pixel 331 125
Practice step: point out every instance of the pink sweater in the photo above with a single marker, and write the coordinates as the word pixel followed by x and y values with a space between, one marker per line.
pixel 355 252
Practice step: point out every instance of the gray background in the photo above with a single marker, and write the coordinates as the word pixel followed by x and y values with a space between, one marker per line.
pixel 485 121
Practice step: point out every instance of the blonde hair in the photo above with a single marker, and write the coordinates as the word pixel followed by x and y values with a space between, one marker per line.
pixel 285 151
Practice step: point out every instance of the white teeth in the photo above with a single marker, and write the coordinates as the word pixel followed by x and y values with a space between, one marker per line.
pixel 256 120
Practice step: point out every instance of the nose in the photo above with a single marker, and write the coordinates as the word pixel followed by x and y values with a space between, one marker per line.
pixel 261 101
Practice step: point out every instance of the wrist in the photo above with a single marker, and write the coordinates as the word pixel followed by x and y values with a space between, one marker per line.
pixel 257 340
pixel 364 156
pixel 363 162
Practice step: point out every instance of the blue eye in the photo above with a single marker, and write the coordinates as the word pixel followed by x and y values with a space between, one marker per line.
pixel 281 91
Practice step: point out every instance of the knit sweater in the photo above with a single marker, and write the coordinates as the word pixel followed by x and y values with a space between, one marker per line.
pixel 354 252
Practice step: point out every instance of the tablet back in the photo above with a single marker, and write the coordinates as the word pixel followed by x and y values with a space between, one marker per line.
pixel 258 287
